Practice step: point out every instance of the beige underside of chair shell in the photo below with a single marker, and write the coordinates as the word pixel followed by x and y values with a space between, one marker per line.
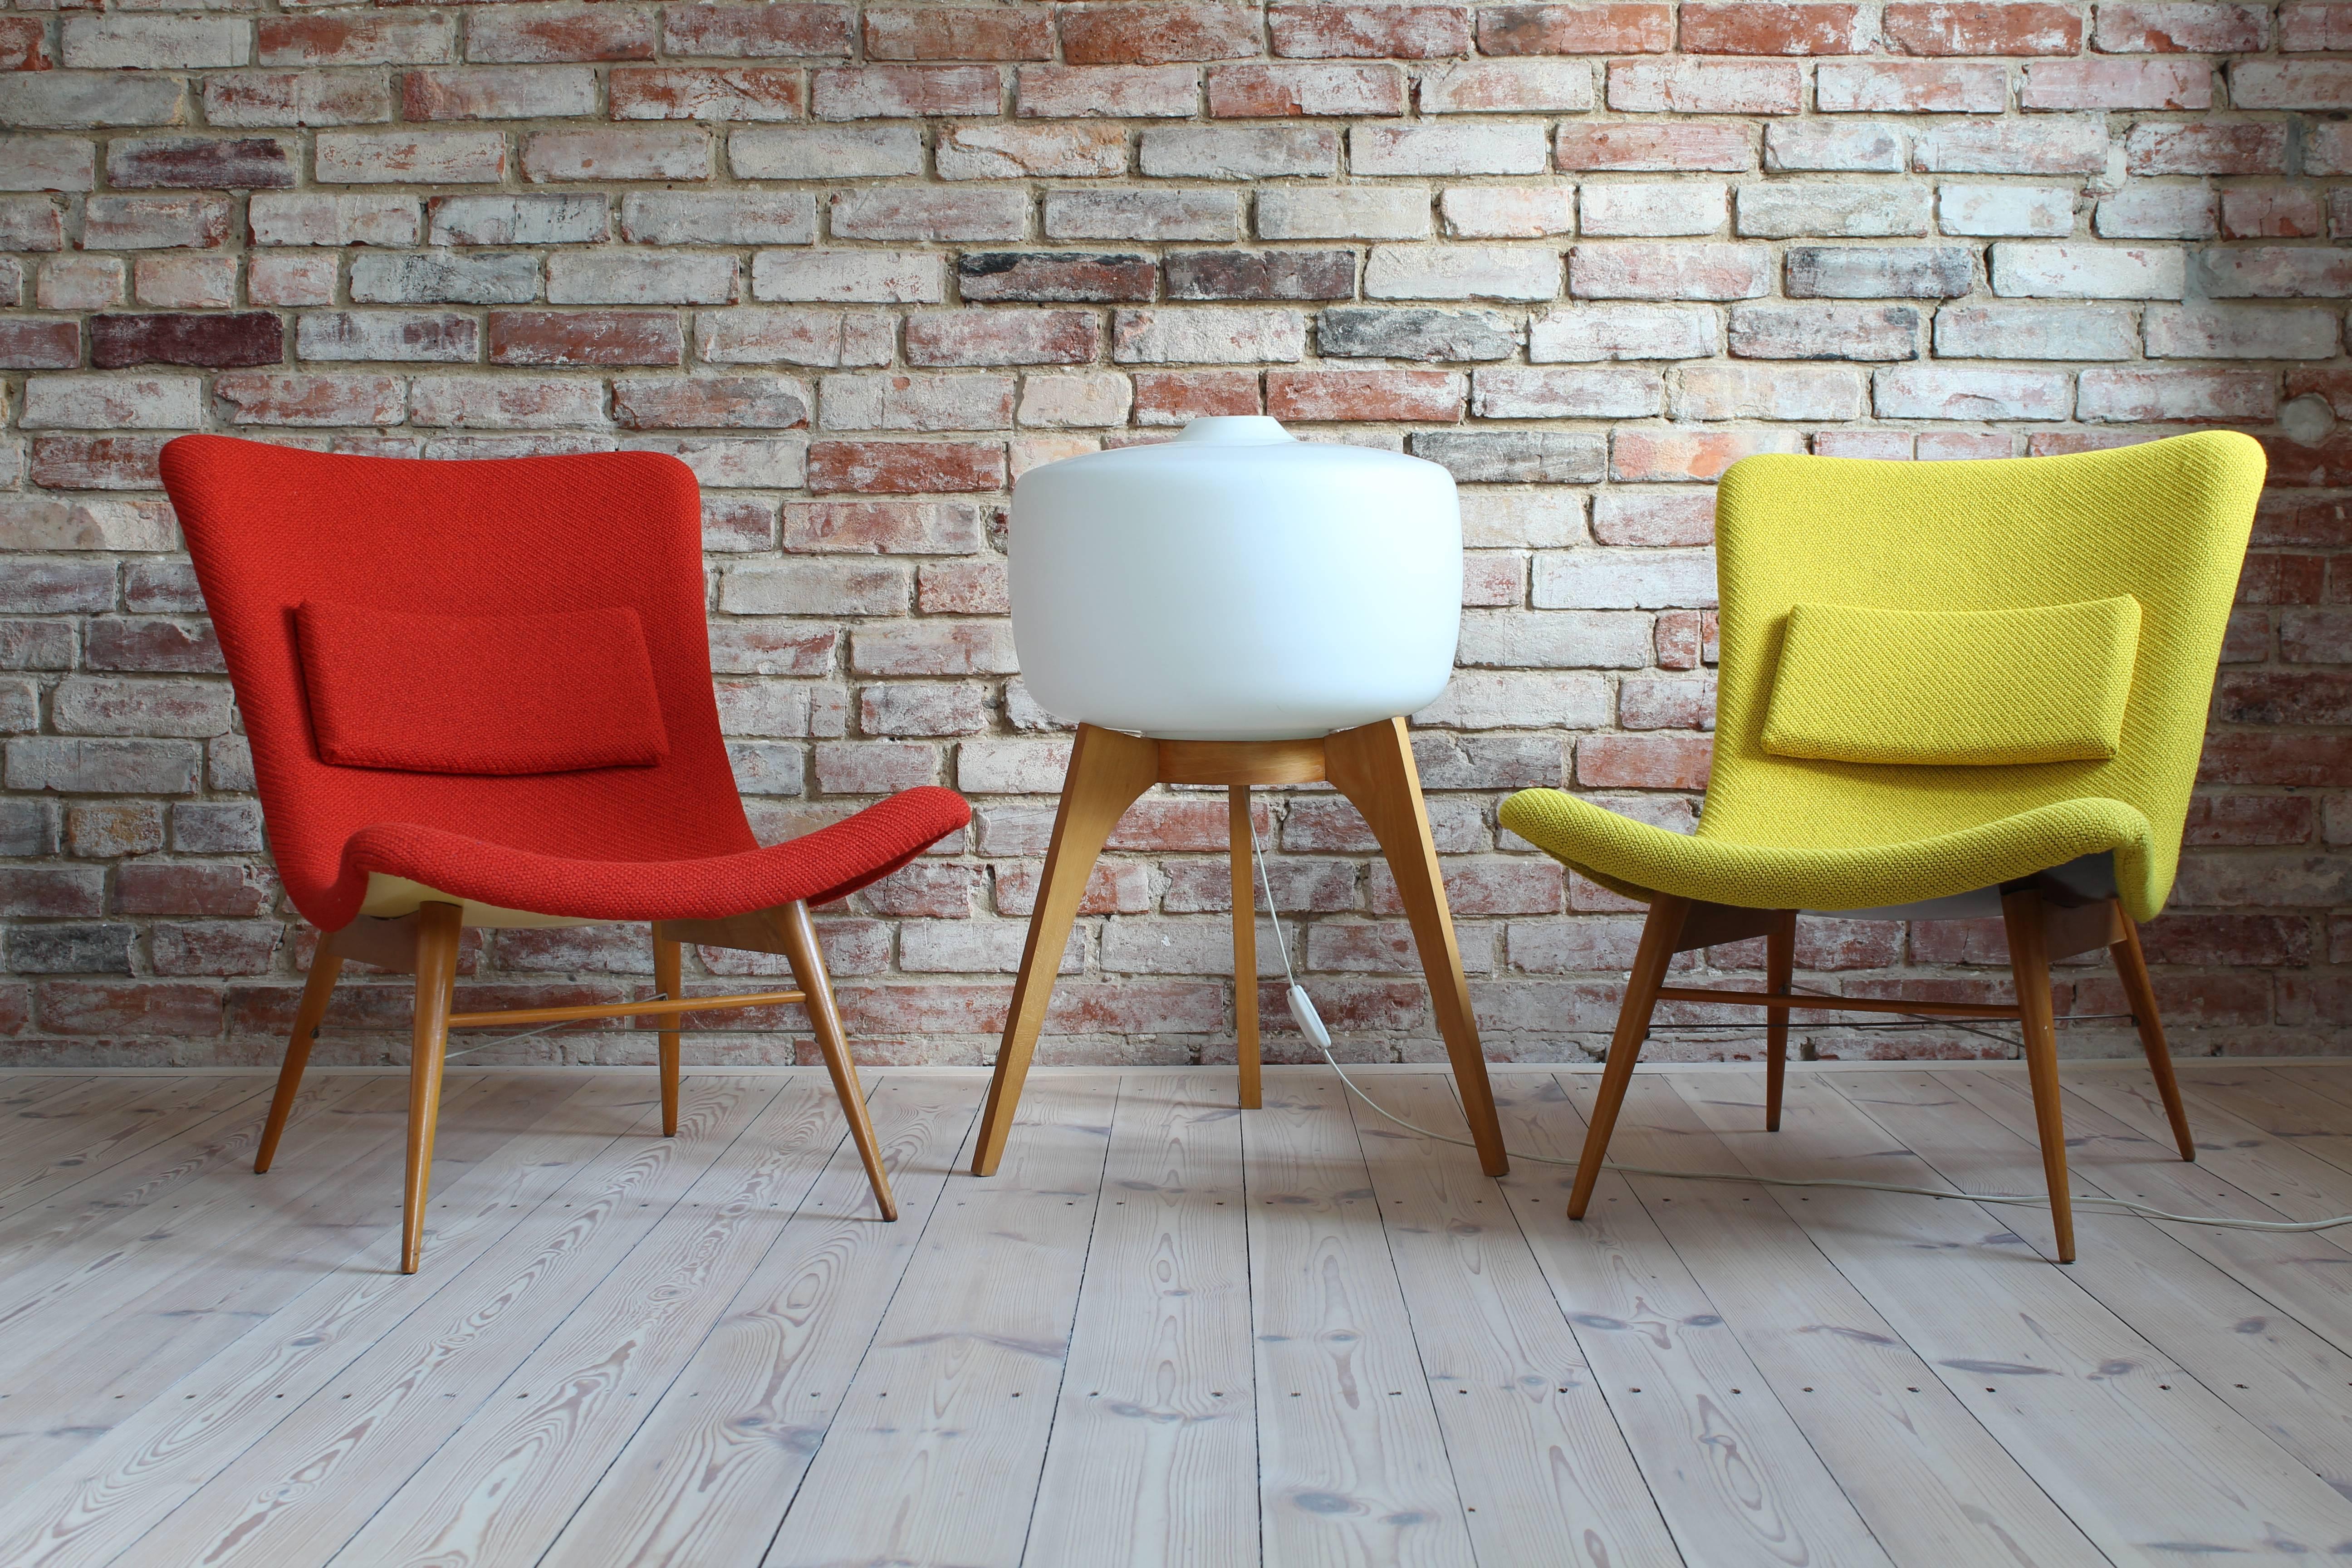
pixel 390 897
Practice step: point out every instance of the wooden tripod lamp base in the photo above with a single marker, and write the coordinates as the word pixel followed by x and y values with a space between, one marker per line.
pixel 1372 765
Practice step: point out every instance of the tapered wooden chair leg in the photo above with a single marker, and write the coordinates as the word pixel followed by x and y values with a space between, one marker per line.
pixel 317 991
pixel 1246 1047
pixel 1372 766
pixel 1659 934
pixel 437 931
pixel 2131 968
pixel 1107 771
pixel 2029 964
pixel 669 968
pixel 825 1021
pixel 1779 963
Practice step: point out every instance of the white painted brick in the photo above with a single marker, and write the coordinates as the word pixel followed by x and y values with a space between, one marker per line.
pixel 1659 208
pixel 1588 332
pixel 850 276
pixel 2037 212
pixel 1350 212
pixel 1462 272
pixel 2087 271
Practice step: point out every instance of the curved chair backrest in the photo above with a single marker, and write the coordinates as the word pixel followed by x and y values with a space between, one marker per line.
pixel 2165 522
pixel 271 527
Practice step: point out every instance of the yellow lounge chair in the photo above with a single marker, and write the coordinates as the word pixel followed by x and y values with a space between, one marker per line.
pixel 1947 691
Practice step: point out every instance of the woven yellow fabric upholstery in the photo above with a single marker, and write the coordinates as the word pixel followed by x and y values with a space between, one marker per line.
pixel 2165 522
pixel 1959 688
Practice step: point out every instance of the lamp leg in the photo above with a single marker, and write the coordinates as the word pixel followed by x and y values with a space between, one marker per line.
pixel 1107 771
pixel 1245 1047
pixel 1780 962
pixel 2029 964
pixel 2131 968
pixel 316 993
pixel 1372 766
pixel 1659 934
pixel 437 931
pixel 669 971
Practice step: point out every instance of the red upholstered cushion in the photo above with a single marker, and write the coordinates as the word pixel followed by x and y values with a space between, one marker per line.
pixel 480 694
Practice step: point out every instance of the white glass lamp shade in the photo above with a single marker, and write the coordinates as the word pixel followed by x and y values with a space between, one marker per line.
pixel 1236 584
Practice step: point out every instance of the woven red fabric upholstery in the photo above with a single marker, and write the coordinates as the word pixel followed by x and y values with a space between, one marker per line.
pixel 271 527
pixel 480 694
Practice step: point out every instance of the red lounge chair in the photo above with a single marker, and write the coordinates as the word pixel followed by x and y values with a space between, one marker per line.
pixel 478 693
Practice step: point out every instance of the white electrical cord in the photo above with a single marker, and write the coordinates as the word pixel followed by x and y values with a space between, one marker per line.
pixel 1310 1024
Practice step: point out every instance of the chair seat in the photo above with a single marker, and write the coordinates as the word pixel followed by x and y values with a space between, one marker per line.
pixel 1637 859
pixel 828 864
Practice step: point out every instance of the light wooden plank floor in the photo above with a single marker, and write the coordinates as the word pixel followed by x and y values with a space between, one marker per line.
pixel 1168 1334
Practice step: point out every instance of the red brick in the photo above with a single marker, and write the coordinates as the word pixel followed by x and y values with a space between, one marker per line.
pixel 585 337
pixel 963 588
pixel 22 46
pixel 131 1007
pixel 1604 28
pixel 2276 697
pixel 1979 28
pixel 52 892
pixel 1107 92
pixel 1002 337
pixel 2180 936
pixel 708 92
pixel 2311 761
pixel 757 31
pixel 1686 86
pixel 2291 84
pixel 1756 27
pixel 2182 27
pixel 2117 84
pixel 1261 274
pixel 1177 397
pixel 542 34
pixel 245 338
pixel 1420 396
pixel 1722 147
pixel 709 402
pixel 901 92
pixel 1113 887
pixel 1638 454
pixel 958 33
pixel 1249 92
pixel 1369 32
pixel 2249 147
pixel 1528 885
pixel 98 462
pixel 906 467
pixel 2306 25
pixel 257 398
pixel 35 343
pixel 1643 762
pixel 1055 276
pixel 159 888
pixel 2272 212
pixel 201 162
pixel 1156 32
pixel 1633 517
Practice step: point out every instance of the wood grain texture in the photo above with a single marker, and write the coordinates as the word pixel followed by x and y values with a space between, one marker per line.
pixel 2258 1360
pixel 49 1152
pixel 2049 1370
pixel 935 1454
pixel 300 1491
pixel 1169 1333
pixel 1732 1472
pixel 1351 1456
pixel 156 1457
pixel 708 1474
pixel 1927 1479
pixel 498 1490
pixel 1155 1440
pixel 1545 1475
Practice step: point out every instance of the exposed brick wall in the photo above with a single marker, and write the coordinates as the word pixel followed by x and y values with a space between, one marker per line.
pixel 860 267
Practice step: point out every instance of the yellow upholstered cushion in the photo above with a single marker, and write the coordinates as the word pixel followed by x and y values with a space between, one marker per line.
pixel 1953 687
pixel 2164 522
